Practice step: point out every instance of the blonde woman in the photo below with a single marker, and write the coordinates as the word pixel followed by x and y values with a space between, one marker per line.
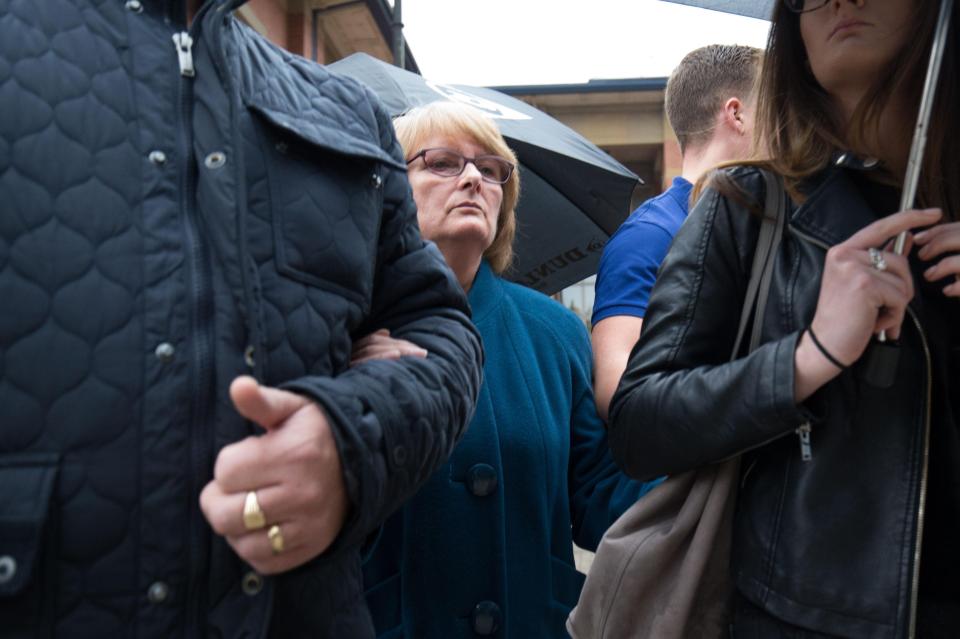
pixel 485 547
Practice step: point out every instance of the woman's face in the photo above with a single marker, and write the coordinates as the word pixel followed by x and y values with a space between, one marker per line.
pixel 849 42
pixel 460 210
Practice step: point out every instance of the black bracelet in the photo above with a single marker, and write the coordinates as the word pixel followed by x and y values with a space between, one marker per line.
pixel 820 347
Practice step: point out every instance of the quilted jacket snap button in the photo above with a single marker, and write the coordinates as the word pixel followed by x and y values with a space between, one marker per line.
pixel 134 5
pixel 282 147
pixel 8 568
pixel 376 181
pixel 399 455
pixel 215 160
pixel 165 352
pixel 248 358
pixel 157 157
pixel 252 583
pixel 157 592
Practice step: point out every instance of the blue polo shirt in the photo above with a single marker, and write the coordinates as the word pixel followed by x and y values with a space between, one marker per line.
pixel 630 260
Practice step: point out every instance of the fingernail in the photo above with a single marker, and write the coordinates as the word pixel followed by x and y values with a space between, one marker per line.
pixel 920 236
pixel 929 272
pixel 923 253
pixel 931 212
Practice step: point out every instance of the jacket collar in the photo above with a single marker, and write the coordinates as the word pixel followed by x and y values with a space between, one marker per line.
pixel 835 209
pixel 289 92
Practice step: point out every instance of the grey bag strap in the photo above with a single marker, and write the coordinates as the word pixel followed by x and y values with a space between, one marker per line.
pixel 758 289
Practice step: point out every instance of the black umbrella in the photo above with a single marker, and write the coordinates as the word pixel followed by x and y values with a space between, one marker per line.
pixel 762 9
pixel 573 195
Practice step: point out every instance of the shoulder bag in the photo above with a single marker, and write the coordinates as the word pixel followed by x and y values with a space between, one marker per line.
pixel 663 568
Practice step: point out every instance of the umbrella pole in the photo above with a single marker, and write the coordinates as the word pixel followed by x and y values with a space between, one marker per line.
pixel 881 359
pixel 923 118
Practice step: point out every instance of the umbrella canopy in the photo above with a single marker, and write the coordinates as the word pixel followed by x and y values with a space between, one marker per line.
pixel 762 9
pixel 573 195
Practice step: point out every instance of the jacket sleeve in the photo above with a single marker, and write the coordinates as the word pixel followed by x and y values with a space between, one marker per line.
pixel 681 402
pixel 396 421
pixel 599 492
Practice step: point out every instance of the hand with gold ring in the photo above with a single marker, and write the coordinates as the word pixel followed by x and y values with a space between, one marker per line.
pixel 941 241
pixel 863 290
pixel 288 480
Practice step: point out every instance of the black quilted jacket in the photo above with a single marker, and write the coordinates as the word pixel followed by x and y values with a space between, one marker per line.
pixel 172 216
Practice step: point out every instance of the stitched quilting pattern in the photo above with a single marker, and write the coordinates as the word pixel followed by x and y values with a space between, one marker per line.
pixel 69 281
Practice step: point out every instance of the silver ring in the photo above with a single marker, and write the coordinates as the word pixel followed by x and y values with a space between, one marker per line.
pixel 876 258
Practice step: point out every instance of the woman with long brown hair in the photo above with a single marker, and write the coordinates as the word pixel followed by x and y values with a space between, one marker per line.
pixel 849 503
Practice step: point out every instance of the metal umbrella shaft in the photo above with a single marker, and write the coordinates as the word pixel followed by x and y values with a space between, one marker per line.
pixel 912 178
pixel 915 159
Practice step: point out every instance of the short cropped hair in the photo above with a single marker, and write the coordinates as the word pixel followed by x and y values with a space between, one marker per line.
pixel 702 82
pixel 456 120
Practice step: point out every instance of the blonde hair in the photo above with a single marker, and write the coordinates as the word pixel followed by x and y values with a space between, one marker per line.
pixel 455 120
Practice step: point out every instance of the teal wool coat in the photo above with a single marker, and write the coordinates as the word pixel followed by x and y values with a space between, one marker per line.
pixel 485 547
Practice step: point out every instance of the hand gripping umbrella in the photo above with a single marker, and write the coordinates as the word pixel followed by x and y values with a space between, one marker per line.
pixel 573 195
pixel 882 361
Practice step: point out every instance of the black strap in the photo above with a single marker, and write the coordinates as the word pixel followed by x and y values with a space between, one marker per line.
pixel 764 256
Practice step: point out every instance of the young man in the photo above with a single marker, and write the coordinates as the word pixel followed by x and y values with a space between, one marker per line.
pixel 194 225
pixel 710 105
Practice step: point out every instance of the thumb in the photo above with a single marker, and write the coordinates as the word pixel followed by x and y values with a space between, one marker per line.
pixel 265 405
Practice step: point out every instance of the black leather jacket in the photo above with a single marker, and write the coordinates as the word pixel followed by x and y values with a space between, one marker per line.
pixel 830 543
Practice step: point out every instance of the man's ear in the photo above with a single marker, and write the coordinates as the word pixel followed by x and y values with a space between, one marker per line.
pixel 733 115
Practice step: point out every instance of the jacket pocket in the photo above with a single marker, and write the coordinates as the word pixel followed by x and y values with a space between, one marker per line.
pixel 326 205
pixel 25 504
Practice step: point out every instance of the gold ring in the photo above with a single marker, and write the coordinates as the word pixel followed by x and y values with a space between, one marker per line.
pixel 253 517
pixel 276 539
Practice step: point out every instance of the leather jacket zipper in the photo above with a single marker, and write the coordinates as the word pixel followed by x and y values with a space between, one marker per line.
pixel 925 460
pixel 199 290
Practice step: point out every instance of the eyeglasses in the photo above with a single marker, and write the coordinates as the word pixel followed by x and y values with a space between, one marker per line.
pixel 449 163
pixel 803 6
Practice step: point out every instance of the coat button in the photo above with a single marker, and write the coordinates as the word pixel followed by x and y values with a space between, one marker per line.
pixel 165 352
pixel 248 356
pixel 215 160
pixel 486 618
pixel 482 480
pixel 399 454
pixel 8 568
pixel 869 163
pixel 157 157
pixel 842 159
pixel 376 181
pixel 252 584
pixel 134 5
pixel 158 592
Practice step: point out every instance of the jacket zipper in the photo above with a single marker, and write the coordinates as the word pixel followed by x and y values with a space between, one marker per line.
pixel 199 288
pixel 922 500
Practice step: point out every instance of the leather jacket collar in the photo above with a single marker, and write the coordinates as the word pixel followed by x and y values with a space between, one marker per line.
pixel 835 208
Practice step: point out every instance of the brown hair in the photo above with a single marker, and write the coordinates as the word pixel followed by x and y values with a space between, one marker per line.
pixel 702 82
pixel 452 119
pixel 796 116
